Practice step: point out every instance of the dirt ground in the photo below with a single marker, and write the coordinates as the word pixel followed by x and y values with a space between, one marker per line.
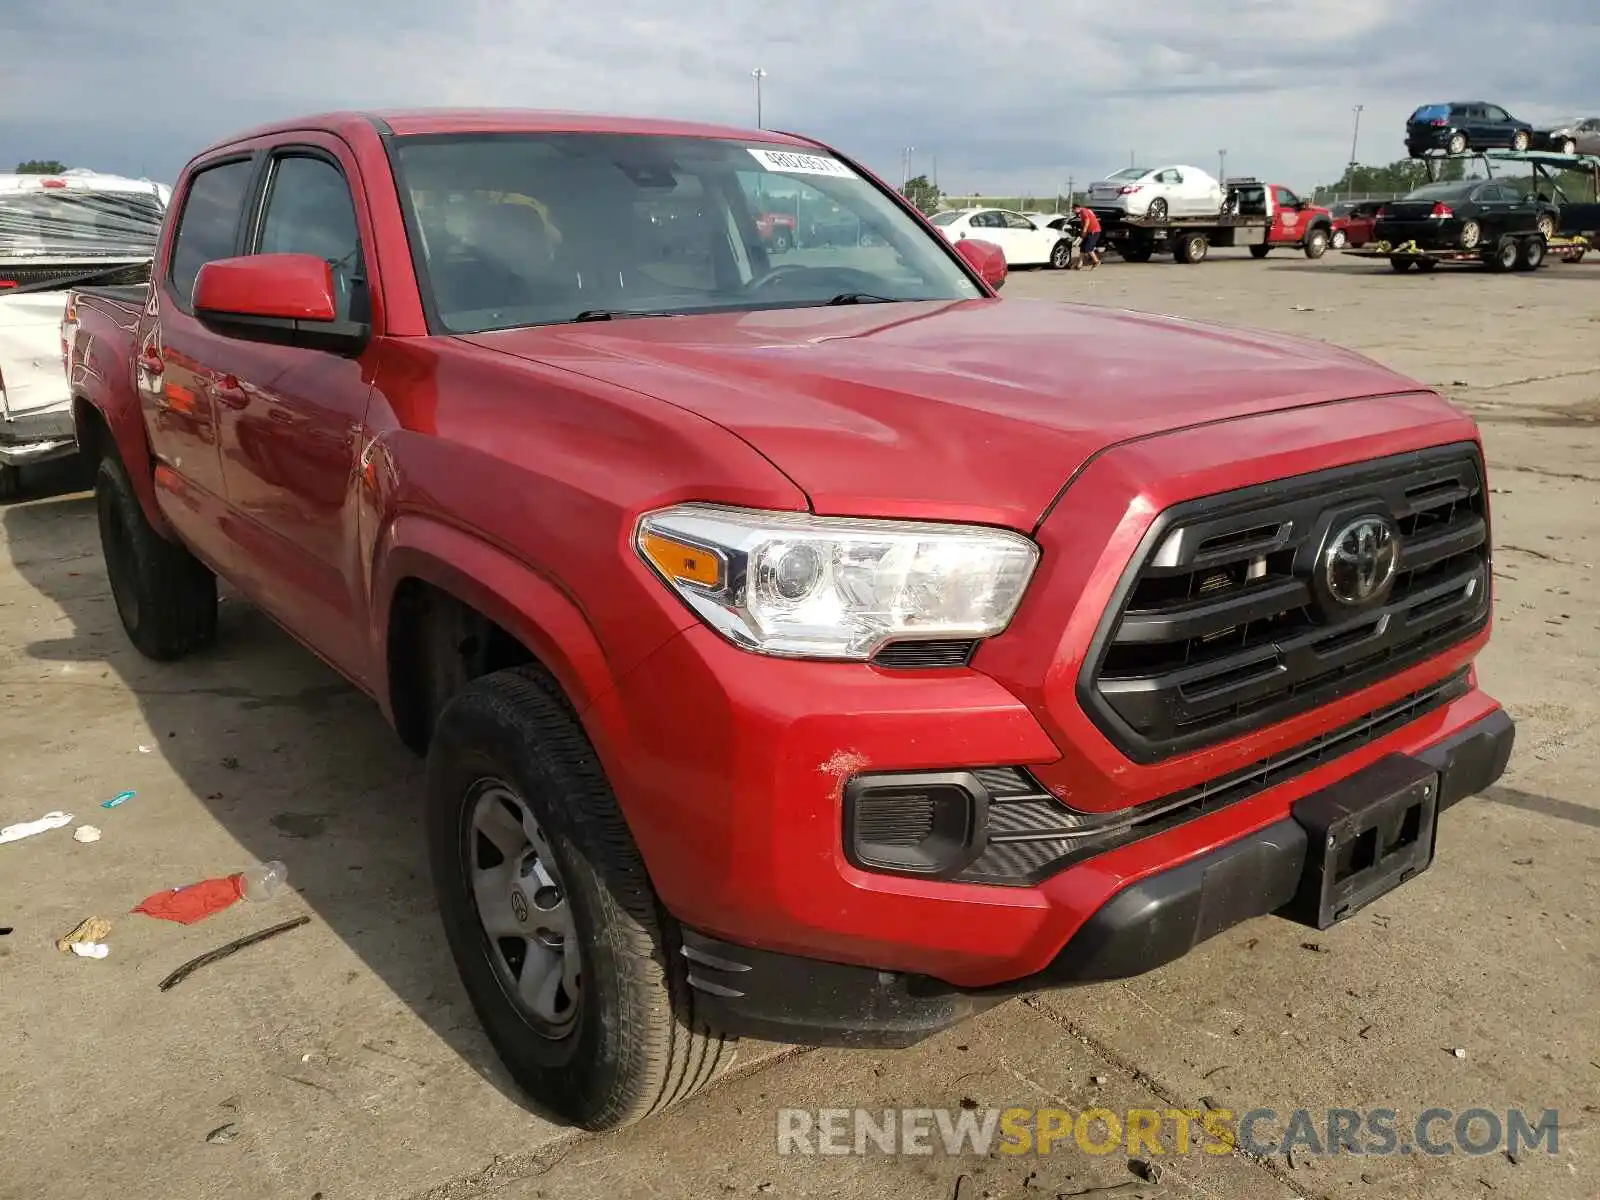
pixel 341 1059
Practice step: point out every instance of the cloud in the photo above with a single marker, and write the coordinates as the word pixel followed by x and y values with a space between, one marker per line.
pixel 1008 96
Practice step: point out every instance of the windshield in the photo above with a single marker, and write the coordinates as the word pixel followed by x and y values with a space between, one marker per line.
pixel 1130 173
pixel 1443 191
pixel 947 218
pixel 62 223
pixel 535 229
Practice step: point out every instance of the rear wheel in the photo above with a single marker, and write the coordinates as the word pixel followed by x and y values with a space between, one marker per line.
pixel 1424 265
pixel 1504 256
pixel 780 241
pixel 1316 243
pixel 1458 143
pixel 1138 254
pixel 1470 236
pixel 1568 146
pixel 166 597
pixel 1157 210
pixel 570 961
pixel 1260 251
pixel 1191 248
pixel 1520 140
pixel 1547 226
pixel 1530 254
pixel 1340 239
pixel 1061 255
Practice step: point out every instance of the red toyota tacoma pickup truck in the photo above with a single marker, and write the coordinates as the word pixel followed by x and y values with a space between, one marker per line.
pixel 818 651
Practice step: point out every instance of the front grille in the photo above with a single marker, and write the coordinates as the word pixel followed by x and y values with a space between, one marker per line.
pixel 1223 623
pixel 1032 835
pixel 914 656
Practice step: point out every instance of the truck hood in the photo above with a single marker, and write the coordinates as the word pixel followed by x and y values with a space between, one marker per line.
pixel 975 410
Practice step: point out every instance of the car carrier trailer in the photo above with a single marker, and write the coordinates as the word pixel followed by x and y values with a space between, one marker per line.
pixel 1510 252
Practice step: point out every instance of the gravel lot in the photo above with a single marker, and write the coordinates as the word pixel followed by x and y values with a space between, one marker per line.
pixel 345 1060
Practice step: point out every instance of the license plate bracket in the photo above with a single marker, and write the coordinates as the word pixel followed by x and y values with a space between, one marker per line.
pixel 1366 835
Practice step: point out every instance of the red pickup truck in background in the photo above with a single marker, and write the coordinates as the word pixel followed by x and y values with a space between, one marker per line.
pixel 817 650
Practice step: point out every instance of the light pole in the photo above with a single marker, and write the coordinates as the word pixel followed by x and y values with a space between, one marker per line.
pixel 905 168
pixel 1222 166
pixel 1355 136
pixel 758 75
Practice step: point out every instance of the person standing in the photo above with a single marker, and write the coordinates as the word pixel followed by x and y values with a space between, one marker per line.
pixel 1090 250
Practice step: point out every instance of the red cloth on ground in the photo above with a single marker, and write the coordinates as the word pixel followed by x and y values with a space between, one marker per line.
pixel 186 905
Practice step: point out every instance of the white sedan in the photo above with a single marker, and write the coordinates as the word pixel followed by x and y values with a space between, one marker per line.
pixel 1158 193
pixel 1022 242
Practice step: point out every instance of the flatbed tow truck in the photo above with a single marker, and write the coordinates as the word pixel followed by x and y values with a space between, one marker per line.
pixel 1514 252
pixel 1257 215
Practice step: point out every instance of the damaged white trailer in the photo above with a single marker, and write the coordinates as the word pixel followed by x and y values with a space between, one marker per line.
pixel 57 232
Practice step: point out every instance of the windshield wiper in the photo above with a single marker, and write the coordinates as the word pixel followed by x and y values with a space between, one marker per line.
pixel 859 298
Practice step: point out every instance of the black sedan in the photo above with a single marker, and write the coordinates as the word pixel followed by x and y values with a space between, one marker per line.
pixel 1463 125
pixel 1467 214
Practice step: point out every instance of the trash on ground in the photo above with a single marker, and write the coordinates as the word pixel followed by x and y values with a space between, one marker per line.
pixel 266 882
pixel 1098 1080
pixel 1148 1171
pixel 22 829
pixel 146 749
pixel 194 902
pixel 119 799
pixel 1459 1052
pixel 194 964
pixel 86 833
pixel 223 1134
pixel 90 949
pixel 90 929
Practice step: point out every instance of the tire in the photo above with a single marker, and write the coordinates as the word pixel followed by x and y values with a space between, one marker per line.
pixel 1530 254
pixel 1520 140
pixel 780 241
pixel 1260 251
pixel 631 1046
pixel 1339 240
pixel 1457 143
pixel 1061 255
pixel 166 597
pixel 1138 254
pixel 1316 242
pixel 1546 226
pixel 1424 265
pixel 1504 256
pixel 1191 248
pixel 1471 235
pixel 1402 265
pixel 1568 146
pixel 1158 209
pixel 10 482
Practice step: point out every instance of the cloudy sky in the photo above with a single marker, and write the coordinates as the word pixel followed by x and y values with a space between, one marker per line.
pixel 1008 96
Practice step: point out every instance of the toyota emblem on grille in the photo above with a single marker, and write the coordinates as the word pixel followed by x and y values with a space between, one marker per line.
pixel 1361 559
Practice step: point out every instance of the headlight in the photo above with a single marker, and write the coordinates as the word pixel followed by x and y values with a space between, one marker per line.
pixel 825 587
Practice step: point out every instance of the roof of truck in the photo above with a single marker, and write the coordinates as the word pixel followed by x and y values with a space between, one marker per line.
pixel 410 121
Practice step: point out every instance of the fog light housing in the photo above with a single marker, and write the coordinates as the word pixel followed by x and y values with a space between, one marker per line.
pixel 915 823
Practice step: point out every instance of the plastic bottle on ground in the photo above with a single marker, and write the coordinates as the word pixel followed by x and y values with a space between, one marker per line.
pixel 266 882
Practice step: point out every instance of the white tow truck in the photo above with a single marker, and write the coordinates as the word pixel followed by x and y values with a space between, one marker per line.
pixel 58 231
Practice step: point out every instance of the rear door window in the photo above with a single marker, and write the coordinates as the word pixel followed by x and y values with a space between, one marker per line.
pixel 208 228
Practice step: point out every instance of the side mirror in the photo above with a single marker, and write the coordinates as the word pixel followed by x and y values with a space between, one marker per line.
pixel 287 299
pixel 987 259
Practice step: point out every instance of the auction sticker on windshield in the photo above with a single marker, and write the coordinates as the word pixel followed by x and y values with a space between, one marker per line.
pixel 800 164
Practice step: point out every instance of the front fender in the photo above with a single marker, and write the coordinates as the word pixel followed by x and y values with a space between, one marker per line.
pixel 523 602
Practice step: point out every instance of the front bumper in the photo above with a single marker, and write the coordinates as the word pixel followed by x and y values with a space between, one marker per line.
pixel 1151 922
pixel 27 438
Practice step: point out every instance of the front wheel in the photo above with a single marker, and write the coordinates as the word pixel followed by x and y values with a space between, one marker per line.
pixel 1504 256
pixel 780 241
pixel 1340 239
pixel 568 957
pixel 1547 226
pixel 1568 146
pixel 1520 140
pixel 1061 255
pixel 165 596
pixel 1316 243
pixel 1530 255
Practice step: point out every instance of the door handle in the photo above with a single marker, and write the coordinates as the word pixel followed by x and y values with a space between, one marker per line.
pixel 228 393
